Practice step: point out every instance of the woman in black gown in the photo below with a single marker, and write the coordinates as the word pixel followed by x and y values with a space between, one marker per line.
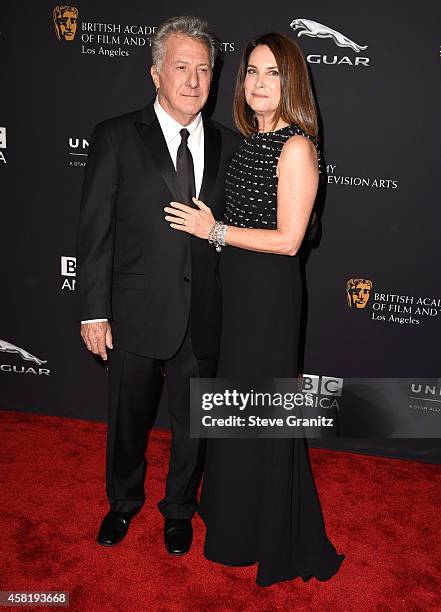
pixel 259 501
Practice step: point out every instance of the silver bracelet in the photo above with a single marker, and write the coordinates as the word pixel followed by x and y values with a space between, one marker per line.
pixel 217 235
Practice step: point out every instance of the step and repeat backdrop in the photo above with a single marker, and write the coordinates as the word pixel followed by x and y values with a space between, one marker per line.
pixel 373 291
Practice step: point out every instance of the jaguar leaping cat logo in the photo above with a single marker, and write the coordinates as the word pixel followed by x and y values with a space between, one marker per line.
pixel 318 30
pixel 6 347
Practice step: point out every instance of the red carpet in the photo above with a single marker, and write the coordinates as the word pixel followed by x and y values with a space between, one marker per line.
pixel 383 514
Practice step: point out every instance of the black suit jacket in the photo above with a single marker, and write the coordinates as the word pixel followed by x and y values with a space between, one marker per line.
pixel 132 268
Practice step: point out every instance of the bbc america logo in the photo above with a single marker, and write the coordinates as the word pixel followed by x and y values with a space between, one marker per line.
pixel 68 272
pixel 3 145
pixel 323 385
pixel 324 390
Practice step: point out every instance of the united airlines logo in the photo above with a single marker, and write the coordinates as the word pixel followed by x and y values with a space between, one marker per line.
pixel 7 347
pixel 78 151
pixel 313 29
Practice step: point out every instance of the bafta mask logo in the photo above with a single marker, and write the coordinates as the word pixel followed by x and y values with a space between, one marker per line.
pixel 358 291
pixel 65 21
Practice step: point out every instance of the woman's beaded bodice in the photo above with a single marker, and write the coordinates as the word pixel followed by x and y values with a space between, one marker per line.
pixel 251 179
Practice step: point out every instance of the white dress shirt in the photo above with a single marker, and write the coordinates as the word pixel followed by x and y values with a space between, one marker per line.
pixel 171 128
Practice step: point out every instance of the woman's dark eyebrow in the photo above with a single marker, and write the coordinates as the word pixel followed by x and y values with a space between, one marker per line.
pixel 269 67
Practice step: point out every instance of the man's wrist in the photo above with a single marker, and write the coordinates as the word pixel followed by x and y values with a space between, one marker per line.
pixel 93 320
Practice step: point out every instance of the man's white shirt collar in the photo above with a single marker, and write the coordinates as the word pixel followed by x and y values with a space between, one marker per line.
pixel 171 128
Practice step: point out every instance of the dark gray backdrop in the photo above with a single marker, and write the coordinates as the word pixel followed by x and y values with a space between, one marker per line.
pixel 381 217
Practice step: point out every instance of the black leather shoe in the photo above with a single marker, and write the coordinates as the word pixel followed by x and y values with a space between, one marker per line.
pixel 114 527
pixel 240 564
pixel 178 536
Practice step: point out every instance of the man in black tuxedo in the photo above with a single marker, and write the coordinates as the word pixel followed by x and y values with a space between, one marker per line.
pixel 146 292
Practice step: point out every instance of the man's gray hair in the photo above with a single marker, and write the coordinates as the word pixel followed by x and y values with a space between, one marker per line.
pixel 194 27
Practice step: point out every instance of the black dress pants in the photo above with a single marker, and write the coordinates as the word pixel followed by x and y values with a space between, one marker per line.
pixel 135 386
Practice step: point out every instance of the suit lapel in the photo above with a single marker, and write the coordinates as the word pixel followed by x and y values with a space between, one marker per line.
pixel 153 138
pixel 212 151
pixel 150 131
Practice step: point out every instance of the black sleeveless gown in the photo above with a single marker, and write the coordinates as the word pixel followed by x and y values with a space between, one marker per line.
pixel 258 500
